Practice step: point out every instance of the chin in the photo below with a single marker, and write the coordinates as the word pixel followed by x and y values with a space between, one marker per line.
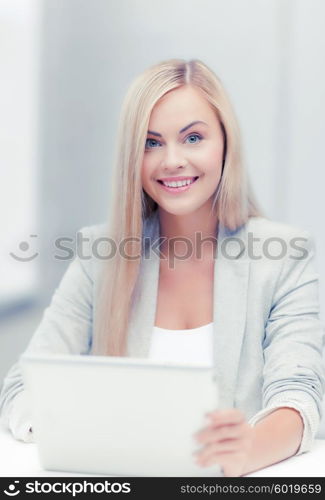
pixel 178 211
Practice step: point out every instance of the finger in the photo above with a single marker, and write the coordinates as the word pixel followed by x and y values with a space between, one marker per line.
pixel 241 446
pixel 224 417
pixel 213 449
pixel 230 463
pixel 213 425
pixel 211 434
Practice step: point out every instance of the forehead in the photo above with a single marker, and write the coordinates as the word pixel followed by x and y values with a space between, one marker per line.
pixel 184 104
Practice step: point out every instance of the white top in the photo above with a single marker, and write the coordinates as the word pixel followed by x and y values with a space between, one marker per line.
pixel 194 346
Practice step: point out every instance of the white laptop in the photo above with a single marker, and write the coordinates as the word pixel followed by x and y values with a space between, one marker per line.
pixel 118 416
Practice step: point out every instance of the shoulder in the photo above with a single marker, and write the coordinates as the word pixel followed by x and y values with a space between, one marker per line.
pixel 92 249
pixel 278 244
pixel 267 228
pixel 293 240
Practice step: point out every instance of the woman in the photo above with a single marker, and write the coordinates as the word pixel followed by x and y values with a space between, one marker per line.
pixel 194 278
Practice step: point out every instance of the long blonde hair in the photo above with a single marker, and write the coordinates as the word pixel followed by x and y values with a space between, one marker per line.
pixel 234 201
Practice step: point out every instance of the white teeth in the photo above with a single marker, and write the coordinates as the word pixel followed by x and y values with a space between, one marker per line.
pixel 178 183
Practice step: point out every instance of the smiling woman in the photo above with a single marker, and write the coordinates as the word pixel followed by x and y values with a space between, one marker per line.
pixel 179 179
pixel 176 121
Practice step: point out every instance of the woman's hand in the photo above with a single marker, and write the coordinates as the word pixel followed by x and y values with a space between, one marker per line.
pixel 227 441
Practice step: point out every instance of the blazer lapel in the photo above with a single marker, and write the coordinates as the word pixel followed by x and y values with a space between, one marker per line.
pixel 231 273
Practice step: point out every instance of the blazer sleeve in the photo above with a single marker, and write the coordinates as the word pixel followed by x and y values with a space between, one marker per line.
pixel 293 343
pixel 65 328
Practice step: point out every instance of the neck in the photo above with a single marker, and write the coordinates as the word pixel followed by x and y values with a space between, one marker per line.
pixel 193 235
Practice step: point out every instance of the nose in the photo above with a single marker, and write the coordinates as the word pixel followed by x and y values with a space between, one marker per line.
pixel 173 158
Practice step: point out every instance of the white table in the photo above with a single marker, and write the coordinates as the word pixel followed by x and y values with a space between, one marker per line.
pixel 18 459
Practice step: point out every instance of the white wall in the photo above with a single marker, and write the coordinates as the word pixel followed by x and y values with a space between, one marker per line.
pixel 305 171
pixel 19 63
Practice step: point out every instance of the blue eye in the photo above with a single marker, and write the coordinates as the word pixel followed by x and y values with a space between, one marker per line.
pixel 197 136
pixel 150 141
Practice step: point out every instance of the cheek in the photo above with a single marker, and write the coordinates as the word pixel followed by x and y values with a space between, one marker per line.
pixel 150 162
pixel 212 160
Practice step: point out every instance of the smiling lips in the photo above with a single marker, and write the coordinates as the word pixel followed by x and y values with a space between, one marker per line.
pixel 177 184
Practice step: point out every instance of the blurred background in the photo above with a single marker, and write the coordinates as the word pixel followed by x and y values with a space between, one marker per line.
pixel 65 66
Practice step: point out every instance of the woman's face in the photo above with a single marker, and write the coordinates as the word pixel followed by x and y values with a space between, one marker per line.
pixel 184 141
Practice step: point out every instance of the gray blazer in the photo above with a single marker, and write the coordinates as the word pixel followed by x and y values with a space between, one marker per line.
pixel 268 337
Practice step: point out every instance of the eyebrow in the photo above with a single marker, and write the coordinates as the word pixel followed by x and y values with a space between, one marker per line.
pixel 182 129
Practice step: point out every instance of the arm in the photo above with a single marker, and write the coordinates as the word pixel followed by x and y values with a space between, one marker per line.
pixel 293 342
pixel 65 328
pixel 275 438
